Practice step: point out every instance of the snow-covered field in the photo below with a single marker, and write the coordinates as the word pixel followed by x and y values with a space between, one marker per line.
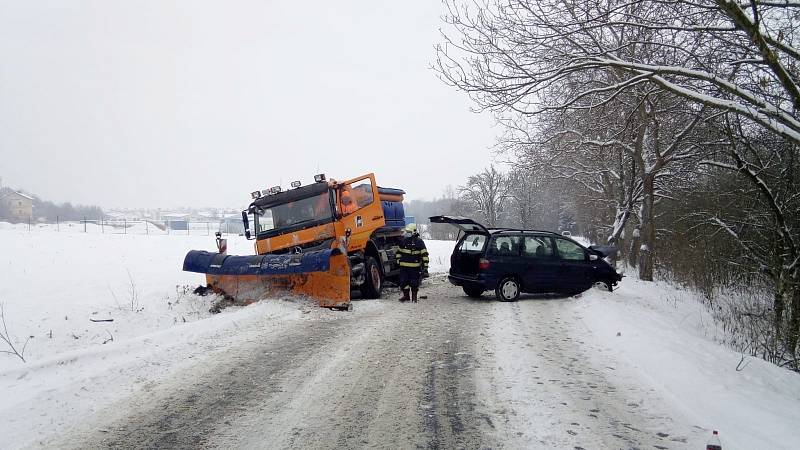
pixel 666 337
pixel 53 284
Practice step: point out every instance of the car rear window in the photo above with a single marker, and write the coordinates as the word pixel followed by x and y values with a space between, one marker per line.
pixel 504 245
pixel 473 243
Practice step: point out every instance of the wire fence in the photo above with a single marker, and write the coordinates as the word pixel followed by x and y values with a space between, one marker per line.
pixel 136 226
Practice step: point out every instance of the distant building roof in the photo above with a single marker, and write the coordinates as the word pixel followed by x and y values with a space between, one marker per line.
pixel 118 214
pixel 11 191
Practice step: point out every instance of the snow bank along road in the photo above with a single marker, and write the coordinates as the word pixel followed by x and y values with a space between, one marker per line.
pixel 449 372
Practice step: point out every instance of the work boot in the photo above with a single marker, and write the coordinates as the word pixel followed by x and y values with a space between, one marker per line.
pixel 404 298
pixel 413 296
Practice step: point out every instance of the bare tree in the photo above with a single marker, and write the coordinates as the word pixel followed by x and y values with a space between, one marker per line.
pixel 487 194
pixel 621 158
pixel 5 337
pixel 507 53
pixel 766 224
pixel 534 199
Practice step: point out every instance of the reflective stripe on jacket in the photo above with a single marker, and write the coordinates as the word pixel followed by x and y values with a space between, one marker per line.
pixel 412 253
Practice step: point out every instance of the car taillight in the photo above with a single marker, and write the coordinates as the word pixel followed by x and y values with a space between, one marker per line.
pixel 483 264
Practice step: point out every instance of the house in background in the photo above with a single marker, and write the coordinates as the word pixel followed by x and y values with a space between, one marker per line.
pixel 19 205
pixel 176 221
pixel 231 224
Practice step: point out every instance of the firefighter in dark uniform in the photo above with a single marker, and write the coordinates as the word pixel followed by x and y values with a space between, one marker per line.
pixel 413 257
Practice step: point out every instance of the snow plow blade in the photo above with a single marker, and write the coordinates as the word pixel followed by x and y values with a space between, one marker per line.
pixel 323 275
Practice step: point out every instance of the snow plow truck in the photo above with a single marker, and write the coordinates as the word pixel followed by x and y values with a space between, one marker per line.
pixel 321 240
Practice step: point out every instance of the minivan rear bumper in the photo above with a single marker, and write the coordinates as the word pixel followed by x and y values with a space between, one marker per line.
pixel 482 280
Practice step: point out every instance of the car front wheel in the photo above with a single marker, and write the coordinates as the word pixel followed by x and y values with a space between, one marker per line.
pixel 605 285
pixel 507 290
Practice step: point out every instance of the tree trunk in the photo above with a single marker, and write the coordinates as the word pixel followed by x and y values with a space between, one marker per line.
pixel 620 220
pixel 793 333
pixel 648 230
pixel 633 249
pixel 778 306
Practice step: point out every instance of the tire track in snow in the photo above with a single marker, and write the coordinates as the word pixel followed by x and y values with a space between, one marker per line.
pixel 212 398
pixel 550 396
pixel 399 375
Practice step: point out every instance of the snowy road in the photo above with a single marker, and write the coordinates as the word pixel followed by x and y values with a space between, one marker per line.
pixel 449 372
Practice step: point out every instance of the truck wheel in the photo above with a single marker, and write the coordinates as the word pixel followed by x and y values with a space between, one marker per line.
pixel 507 290
pixel 373 279
pixel 472 291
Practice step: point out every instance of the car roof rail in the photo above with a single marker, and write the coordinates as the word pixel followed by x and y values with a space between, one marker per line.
pixel 502 229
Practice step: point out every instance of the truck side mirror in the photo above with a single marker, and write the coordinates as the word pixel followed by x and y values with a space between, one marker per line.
pixel 246 223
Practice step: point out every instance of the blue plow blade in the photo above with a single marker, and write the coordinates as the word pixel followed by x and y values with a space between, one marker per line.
pixel 200 261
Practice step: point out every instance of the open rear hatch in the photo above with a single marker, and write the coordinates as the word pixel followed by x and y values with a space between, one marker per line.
pixel 470 248
pixel 463 223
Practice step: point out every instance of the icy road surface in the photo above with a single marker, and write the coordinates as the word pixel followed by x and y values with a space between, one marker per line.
pixel 448 372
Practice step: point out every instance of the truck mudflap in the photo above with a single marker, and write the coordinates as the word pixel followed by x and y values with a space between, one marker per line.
pixel 323 275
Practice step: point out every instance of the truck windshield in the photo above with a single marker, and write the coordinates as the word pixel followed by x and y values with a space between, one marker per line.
pixel 285 215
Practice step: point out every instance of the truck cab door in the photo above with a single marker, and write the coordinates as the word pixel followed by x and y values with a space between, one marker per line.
pixel 365 214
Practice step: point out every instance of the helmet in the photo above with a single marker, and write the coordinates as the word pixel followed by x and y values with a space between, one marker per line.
pixel 346 197
pixel 411 228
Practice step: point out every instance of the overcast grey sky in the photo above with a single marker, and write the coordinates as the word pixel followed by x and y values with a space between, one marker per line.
pixel 197 103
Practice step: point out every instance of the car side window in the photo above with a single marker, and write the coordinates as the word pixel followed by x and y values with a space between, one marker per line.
pixel 538 247
pixel 472 243
pixel 570 250
pixel 504 246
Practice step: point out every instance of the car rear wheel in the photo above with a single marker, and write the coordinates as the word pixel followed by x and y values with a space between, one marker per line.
pixel 472 291
pixel 507 290
pixel 373 281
